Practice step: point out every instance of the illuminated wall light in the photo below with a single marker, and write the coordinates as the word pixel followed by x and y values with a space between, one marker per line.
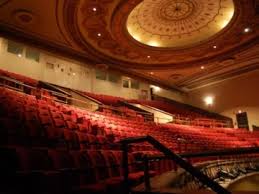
pixel 156 88
pixel 202 67
pixel 148 56
pixel 94 9
pixel 246 30
pixel 214 46
pixel 99 34
pixel 151 73
pixel 209 100
pixel 239 111
pixel 19 55
pixel 74 73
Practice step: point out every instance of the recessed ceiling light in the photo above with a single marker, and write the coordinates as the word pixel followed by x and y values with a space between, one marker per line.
pixel 99 34
pixel 246 30
pixel 202 67
pixel 19 55
pixel 214 46
pixel 94 9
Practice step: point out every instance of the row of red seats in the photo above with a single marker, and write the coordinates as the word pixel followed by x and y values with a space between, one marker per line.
pixel 105 99
pixel 29 121
pixel 60 122
pixel 26 120
pixel 18 77
pixel 37 170
pixel 173 109
pixel 75 140
pixel 211 139
pixel 182 115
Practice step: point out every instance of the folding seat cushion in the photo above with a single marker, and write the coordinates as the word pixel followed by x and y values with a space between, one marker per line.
pixel 134 177
pixel 99 164
pixel 33 159
pixel 30 99
pixel 35 171
pixel 43 110
pixel 59 123
pixel 54 136
pixel 88 176
pixel 71 139
pixel 135 174
pixel 83 128
pixel 96 128
pixel 34 132
pixel 43 106
pixel 61 159
pixel 71 125
pixel 45 120
pixel 56 114
pixel 67 117
pixel 11 131
pixel 15 111
pixel 63 162
pixel 83 140
pixel 102 142
pixel 101 139
pixel 53 109
pixel 31 114
pixel 93 142
pixel 83 119
pixel 112 164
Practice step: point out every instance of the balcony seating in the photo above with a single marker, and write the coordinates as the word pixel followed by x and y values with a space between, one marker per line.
pixel 46 142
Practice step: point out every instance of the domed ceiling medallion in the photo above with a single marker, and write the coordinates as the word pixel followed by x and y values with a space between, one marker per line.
pixel 178 23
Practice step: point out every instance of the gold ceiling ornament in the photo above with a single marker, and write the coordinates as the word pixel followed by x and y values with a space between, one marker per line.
pixel 178 23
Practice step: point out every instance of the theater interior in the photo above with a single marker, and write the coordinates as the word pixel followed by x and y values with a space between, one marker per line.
pixel 129 96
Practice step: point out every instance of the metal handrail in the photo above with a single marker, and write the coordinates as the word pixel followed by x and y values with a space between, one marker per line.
pixel 176 158
pixel 225 152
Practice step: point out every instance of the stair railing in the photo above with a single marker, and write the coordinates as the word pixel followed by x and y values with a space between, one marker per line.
pixel 204 179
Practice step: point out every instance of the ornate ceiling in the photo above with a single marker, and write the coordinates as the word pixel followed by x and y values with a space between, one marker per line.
pixel 176 43
pixel 178 23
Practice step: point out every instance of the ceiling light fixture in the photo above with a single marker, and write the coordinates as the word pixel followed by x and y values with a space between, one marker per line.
pixel 94 9
pixel 214 46
pixel 99 34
